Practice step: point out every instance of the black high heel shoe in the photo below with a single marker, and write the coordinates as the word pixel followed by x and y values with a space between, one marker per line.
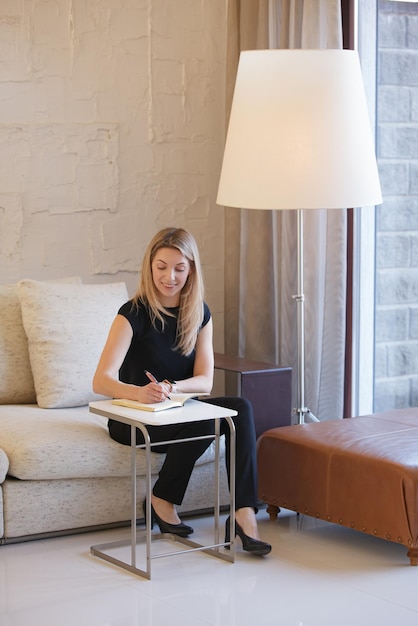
pixel 249 544
pixel 181 530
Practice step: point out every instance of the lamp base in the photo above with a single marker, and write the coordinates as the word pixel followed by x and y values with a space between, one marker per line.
pixel 303 414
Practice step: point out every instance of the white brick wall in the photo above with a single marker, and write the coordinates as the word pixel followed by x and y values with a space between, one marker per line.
pixel 111 127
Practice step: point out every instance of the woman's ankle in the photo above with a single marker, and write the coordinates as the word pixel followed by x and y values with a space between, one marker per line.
pixel 164 509
pixel 245 517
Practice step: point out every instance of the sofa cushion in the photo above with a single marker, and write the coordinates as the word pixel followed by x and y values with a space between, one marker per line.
pixel 67 326
pixel 44 444
pixel 16 380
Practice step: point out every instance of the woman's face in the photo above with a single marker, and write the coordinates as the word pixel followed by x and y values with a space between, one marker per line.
pixel 170 270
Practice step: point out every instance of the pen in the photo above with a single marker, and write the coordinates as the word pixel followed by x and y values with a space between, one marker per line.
pixel 151 377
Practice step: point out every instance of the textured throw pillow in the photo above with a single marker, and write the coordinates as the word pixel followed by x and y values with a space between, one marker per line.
pixel 16 380
pixel 67 326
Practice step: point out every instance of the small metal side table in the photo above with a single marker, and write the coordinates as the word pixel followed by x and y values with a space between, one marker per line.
pixel 192 411
pixel 268 387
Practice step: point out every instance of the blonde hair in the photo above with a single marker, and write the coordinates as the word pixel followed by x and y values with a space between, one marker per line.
pixel 191 297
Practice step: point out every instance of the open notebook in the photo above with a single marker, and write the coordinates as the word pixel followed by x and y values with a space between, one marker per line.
pixel 176 400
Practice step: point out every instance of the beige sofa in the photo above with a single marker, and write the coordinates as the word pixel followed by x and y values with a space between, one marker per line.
pixel 59 470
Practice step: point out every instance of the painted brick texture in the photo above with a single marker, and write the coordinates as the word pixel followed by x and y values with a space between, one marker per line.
pixel 111 127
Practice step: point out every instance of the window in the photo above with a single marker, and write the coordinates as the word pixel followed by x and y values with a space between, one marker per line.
pixel 387 243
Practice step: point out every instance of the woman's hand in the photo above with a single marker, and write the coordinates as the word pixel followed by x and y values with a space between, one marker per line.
pixel 154 392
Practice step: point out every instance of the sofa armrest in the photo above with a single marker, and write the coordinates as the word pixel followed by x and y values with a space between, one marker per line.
pixel 4 465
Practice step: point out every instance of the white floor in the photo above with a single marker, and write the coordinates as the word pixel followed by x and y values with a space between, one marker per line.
pixel 318 574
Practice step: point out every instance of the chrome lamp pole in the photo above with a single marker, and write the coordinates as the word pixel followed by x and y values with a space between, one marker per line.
pixel 301 410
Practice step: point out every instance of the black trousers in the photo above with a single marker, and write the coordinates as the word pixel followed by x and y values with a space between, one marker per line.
pixel 181 457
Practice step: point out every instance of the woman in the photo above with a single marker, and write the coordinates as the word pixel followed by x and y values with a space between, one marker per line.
pixel 165 334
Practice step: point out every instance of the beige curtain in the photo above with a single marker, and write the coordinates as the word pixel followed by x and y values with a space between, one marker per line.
pixel 261 245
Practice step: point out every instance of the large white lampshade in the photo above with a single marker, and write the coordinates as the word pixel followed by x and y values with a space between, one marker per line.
pixel 299 134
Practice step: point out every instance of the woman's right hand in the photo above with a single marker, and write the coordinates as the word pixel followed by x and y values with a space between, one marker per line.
pixel 154 392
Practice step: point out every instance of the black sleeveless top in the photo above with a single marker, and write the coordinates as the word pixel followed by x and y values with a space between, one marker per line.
pixel 152 347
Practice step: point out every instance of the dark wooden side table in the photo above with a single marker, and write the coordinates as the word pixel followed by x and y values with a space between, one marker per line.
pixel 268 387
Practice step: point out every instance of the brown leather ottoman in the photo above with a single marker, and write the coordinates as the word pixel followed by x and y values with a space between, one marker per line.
pixel 360 472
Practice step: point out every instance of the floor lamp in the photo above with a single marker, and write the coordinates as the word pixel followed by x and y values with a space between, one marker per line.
pixel 299 138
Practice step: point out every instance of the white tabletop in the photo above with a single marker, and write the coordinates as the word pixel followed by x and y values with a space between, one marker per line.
pixel 192 411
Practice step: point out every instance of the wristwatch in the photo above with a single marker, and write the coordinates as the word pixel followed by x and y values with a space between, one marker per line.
pixel 172 384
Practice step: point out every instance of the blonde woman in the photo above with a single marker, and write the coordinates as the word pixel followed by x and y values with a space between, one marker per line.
pixel 161 342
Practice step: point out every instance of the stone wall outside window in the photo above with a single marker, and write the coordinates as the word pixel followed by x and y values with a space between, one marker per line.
pixel 396 323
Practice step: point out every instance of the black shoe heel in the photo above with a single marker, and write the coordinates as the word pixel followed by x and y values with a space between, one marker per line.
pixel 249 544
pixel 228 533
pixel 181 530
